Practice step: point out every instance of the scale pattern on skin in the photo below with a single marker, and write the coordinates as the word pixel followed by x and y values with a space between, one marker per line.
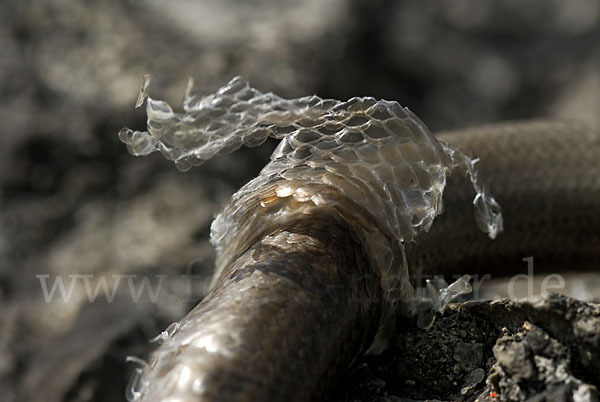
pixel 371 161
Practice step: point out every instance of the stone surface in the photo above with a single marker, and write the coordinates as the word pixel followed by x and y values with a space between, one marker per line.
pixel 544 349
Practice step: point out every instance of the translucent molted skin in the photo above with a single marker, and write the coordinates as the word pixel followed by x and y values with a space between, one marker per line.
pixel 372 160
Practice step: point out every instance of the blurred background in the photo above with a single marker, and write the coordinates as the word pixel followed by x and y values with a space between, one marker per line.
pixel 73 202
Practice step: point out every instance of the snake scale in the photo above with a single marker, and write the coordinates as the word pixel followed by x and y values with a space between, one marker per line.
pixel 317 253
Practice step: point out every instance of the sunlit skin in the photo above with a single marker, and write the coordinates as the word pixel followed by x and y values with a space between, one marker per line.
pixel 316 253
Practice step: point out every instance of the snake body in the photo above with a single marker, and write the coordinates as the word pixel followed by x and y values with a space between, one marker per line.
pixel 314 254
pixel 546 177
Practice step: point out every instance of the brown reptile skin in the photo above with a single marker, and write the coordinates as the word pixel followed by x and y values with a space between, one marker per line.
pixel 287 318
pixel 546 177
pixel 293 311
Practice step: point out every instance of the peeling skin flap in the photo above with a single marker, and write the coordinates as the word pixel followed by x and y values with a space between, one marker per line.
pixel 372 161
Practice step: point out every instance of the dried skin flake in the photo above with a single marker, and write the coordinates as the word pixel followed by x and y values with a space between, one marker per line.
pixel 372 161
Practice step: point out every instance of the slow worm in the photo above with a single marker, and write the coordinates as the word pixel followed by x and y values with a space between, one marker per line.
pixel 315 255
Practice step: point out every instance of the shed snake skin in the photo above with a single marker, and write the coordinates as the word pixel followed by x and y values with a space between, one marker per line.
pixel 314 255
